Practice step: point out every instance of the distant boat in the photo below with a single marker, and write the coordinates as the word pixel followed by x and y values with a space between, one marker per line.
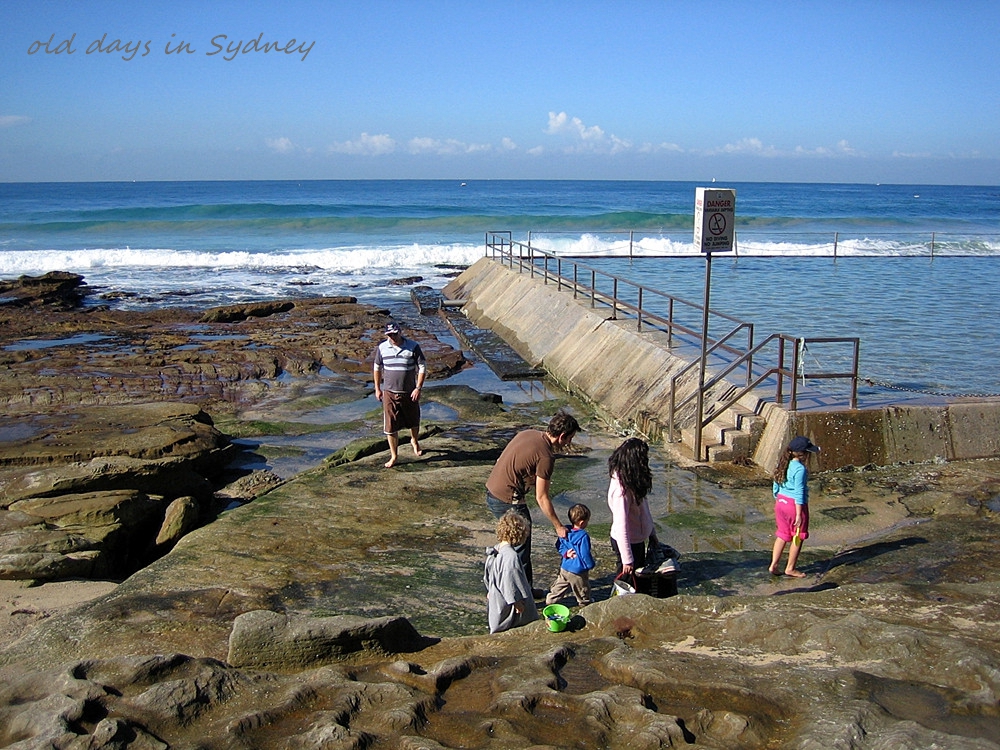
pixel 916 195
pixel 463 184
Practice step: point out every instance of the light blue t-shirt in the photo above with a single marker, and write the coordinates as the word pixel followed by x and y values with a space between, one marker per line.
pixel 794 485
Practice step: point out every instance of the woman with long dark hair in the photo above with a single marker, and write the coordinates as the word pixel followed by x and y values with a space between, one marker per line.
pixel 631 520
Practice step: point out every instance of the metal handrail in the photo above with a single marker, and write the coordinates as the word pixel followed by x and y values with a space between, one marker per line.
pixel 535 261
pixel 502 245
pixel 794 374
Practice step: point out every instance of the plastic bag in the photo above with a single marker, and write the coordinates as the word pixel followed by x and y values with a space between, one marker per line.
pixel 623 586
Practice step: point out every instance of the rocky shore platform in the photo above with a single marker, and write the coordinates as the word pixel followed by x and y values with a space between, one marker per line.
pixel 342 606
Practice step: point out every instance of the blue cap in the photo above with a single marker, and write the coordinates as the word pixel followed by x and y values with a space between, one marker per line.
pixel 802 445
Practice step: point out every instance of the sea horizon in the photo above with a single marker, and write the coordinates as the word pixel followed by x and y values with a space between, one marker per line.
pixel 466 179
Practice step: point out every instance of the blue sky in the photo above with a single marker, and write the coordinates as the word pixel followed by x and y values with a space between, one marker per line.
pixel 843 91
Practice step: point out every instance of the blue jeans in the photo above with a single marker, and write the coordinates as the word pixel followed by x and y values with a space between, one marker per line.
pixel 498 507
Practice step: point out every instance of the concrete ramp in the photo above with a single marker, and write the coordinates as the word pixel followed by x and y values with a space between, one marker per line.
pixel 625 374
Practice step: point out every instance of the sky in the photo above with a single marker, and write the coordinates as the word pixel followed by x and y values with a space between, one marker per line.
pixel 808 91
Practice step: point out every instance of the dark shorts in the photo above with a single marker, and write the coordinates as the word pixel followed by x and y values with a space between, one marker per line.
pixel 399 411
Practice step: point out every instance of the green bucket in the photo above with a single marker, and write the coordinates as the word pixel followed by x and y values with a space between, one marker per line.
pixel 557 616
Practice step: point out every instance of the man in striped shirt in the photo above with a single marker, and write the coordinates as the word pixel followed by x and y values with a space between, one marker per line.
pixel 399 372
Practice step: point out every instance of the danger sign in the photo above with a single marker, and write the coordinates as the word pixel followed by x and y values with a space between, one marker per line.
pixel 714 220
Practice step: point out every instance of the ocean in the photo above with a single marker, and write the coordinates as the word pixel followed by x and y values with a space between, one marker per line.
pixel 912 270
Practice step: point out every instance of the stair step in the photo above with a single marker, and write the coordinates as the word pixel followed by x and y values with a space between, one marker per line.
pixel 733 435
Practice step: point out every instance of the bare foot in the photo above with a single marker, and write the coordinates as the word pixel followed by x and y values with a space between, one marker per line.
pixel 390 463
pixel 795 574
pixel 416 448
pixel 773 571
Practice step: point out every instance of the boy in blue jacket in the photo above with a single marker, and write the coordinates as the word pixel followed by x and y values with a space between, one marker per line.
pixel 577 560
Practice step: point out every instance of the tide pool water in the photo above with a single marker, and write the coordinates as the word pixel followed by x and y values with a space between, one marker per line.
pixel 909 269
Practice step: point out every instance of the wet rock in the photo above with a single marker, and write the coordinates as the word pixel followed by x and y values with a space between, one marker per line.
pixel 271 640
pixel 844 513
pixel 245 488
pixel 369 446
pixel 468 402
pixel 57 289
pixel 223 360
pixel 237 313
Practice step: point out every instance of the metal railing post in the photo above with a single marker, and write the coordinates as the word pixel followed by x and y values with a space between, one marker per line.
pixel 854 370
pixel 779 391
pixel 670 322
pixel 793 401
pixel 670 410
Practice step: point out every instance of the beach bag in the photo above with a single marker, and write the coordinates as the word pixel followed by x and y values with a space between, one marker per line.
pixel 623 586
pixel 661 558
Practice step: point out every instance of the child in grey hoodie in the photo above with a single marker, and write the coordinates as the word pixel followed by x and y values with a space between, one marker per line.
pixel 508 593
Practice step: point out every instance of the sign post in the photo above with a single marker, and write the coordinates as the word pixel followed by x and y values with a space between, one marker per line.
pixel 714 232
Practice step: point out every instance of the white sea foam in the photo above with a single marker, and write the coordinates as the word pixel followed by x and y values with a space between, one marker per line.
pixel 343 259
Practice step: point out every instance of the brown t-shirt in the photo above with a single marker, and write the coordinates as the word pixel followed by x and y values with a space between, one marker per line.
pixel 526 457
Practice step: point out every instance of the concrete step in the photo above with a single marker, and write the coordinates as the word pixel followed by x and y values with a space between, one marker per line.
pixel 733 435
pixel 726 444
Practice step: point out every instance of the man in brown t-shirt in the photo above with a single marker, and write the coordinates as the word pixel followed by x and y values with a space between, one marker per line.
pixel 527 463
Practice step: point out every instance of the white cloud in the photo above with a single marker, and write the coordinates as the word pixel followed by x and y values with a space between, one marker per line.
pixel 845 148
pixel 818 151
pixel 366 145
pixel 652 148
pixel 756 147
pixel 619 144
pixel 561 123
pixel 748 146
pixel 281 145
pixel 447 147
pixel 8 121
pixel 508 145
pixel 584 138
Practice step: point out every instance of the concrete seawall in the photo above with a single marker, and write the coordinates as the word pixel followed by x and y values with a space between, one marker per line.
pixel 626 375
